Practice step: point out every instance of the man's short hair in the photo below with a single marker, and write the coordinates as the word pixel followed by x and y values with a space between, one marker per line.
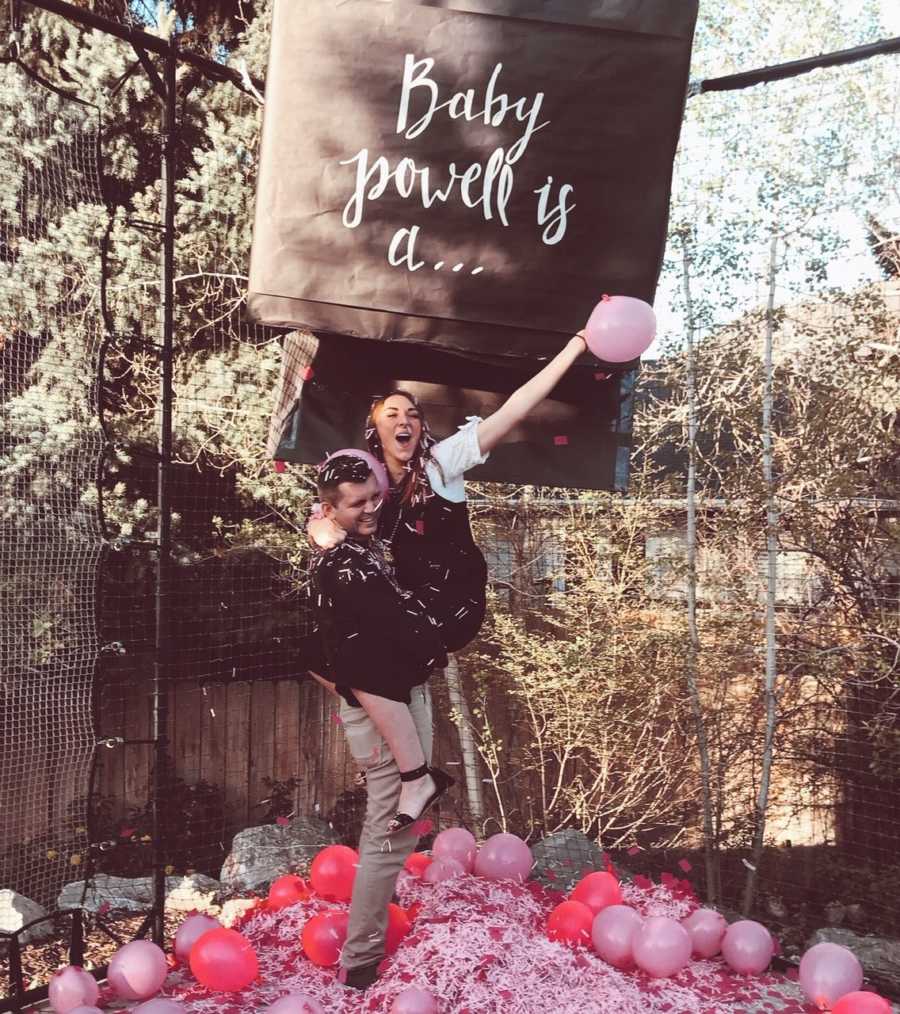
pixel 344 468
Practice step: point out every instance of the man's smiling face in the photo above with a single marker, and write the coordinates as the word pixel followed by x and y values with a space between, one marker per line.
pixel 357 506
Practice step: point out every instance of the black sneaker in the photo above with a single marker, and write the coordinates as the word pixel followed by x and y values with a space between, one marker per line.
pixel 359 978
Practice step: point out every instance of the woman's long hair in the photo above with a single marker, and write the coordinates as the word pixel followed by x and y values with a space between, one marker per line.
pixel 414 488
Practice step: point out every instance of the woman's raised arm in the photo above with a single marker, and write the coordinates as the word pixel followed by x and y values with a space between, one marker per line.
pixel 493 429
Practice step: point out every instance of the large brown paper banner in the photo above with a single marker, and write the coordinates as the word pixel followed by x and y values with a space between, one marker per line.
pixel 471 174
pixel 578 437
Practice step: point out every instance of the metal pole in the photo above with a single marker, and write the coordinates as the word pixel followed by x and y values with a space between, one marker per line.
pixel 164 528
pixel 138 37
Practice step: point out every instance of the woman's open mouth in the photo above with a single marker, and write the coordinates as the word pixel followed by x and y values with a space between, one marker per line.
pixel 403 439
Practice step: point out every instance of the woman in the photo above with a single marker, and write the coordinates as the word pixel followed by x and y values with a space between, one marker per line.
pixel 425 522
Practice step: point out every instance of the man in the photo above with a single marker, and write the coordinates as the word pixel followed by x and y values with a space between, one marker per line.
pixel 381 648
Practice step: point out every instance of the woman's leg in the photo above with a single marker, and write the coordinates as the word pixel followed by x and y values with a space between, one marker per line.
pixel 395 723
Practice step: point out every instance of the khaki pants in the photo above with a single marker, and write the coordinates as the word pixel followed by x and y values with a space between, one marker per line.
pixel 380 858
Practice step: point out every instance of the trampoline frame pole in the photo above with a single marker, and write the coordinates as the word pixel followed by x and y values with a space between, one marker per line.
pixel 161 668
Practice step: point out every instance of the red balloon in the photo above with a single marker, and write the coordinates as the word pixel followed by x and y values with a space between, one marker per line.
pixel 287 890
pixel 333 871
pixel 570 923
pixel 597 891
pixel 397 928
pixel 861 1002
pixel 323 937
pixel 417 863
pixel 224 960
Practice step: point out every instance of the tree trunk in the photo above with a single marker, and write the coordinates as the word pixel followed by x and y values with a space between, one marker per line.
pixel 463 719
pixel 711 855
pixel 772 520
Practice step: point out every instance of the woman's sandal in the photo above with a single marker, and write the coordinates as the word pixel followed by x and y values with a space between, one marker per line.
pixel 442 782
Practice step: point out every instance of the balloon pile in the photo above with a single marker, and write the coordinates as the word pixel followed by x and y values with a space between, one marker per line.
pixel 661 946
pixel 623 926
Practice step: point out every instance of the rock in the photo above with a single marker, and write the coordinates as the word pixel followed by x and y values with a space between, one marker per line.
pixel 195 892
pixel 879 956
pixel 561 858
pixel 17 911
pixel 260 854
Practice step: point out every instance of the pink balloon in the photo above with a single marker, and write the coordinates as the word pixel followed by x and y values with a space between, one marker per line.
pixel 747 947
pixel 828 972
pixel 456 843
pixel 662 947
pixel 414 1001
pixel 85 1010
pixel 296 1003
pixel 190 931
pixel 862 1002
pixel 504 857
pixel 377 467
pixel 72 987
pixel 620 328
pixel 597 890
pixel 613 935
pixel 442 869
pixel 706 928
pixel 160 1005
pixel 137 970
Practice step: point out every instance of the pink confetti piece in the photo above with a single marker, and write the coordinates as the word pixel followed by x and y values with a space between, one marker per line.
pixel 282 821
pixel 280 467
pixel 308 373
pixel 420 527
pixel 561 441
pixel 684 866
pixel 633 851
pixel 600 375
pixel 423 827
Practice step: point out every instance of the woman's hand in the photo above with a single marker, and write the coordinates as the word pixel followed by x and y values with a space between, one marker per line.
pixel 324 533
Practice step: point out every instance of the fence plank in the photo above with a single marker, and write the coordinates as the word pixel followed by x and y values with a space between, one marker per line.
pixel 137 757
pixel 109 781
pixel 262 745
pixel 213 744
pixel 237 756
pixel 287 730
pixel 187 741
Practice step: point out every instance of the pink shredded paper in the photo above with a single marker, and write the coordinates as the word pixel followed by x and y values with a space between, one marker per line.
pixel 480 947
